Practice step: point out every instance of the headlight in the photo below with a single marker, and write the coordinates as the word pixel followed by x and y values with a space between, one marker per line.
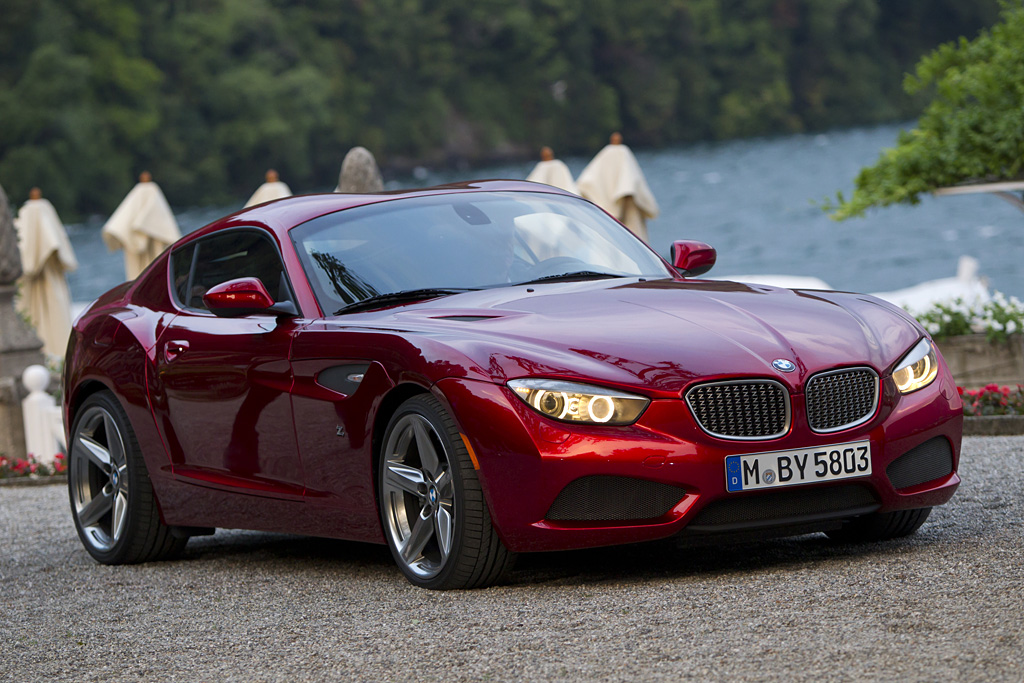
pixel 571 402
pixel 918 369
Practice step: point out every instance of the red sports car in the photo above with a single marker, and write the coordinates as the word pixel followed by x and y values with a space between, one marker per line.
pixel 473 371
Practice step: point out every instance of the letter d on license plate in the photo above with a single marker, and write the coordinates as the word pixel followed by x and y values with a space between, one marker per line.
pixel 800 466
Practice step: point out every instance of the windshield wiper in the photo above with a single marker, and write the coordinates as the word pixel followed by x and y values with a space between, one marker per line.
pixel 404 296
pixel 575 275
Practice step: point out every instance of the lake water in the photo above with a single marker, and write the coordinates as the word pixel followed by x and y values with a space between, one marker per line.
pixel 753 200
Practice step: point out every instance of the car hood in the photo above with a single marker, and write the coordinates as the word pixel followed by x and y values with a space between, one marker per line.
pixel 661 335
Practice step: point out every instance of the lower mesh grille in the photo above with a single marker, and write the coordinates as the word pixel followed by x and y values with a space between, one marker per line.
pixel 607 498
pixel 782 505
pixel 931 460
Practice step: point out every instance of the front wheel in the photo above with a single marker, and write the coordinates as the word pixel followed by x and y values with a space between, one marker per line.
pixel 880 526
pixel 112 500
pixel 434 514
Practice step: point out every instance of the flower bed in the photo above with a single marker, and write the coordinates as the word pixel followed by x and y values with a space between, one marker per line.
pixel 993 400
pixel 13 468
pixel 993 410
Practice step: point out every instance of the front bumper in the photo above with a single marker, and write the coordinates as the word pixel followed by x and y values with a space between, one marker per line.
pixel 526 461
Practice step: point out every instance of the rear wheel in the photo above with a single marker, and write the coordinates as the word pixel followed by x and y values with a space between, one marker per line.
pixel 112 500
pixel 880 526
pixel 434 514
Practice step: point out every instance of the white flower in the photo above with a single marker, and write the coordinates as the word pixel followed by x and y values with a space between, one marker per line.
pixel 933 328
pixel 1011 327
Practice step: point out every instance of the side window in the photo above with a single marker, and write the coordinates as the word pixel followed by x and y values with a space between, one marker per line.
pixel 228 256
pixel 181 271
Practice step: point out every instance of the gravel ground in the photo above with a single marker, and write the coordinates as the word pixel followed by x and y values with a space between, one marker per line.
pixel 945 604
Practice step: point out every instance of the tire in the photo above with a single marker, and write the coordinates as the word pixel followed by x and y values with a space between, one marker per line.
pixel 880 526
pixel 432 508
pixel 112 499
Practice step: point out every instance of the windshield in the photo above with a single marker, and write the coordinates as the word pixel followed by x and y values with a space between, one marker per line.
pixel 464 241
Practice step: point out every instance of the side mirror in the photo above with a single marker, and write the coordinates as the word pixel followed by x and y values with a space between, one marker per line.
pixel 244 296
pixel 693 258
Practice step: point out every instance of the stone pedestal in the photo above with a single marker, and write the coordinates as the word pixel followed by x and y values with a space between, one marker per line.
pixel 975 362
pixel 19 348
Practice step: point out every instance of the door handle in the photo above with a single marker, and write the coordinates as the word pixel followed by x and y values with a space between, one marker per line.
pixel 173 349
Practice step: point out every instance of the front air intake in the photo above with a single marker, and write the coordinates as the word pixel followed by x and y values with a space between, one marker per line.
pixel 931 460
pixel 603 498
pixel 784 507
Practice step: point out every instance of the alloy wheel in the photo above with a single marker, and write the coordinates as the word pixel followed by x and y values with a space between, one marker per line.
pixel 418 496
pixel 98 475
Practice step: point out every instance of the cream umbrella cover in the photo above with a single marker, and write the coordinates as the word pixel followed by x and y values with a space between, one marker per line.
pixel 613 180
pixel 143 226
pixel 46 256
pixel 553 172
pixel 272 189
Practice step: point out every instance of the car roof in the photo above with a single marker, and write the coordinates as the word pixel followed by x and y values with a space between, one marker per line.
pixel 283 214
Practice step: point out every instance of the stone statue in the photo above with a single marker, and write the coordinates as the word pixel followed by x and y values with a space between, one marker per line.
pixel 19 346
pixel 10 257
pixel 359 173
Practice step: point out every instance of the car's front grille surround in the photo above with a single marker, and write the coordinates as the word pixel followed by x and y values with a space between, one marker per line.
pixel 743 410
pixel 841 399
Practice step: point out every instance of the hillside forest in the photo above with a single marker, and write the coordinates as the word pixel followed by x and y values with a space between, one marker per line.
pixel 207 94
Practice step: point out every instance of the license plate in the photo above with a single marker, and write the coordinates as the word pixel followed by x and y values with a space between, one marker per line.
pixel 800 466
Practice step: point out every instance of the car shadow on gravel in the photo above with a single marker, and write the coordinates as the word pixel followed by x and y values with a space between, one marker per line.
pixel 669 559
pixel 255 546
pixel 632 563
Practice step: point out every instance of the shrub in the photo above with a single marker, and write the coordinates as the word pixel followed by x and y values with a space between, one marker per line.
pixel 997 318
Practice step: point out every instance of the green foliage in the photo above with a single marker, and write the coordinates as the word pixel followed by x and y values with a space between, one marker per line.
pixel 208 94
pixel 973 130
pixel 996 318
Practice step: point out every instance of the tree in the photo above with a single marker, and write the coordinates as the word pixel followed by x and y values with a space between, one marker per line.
pixel 973 130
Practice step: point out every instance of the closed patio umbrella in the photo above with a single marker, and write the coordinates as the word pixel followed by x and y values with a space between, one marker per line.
pixel 272 189
pixel 553 172
pixel 613 180
pixel 143 226
pixel 46 256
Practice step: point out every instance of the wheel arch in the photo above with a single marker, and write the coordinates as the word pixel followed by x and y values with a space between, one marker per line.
pixel 389 405
pixel 78 396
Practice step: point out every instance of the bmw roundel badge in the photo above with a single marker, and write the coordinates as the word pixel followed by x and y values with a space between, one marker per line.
pixel 783 365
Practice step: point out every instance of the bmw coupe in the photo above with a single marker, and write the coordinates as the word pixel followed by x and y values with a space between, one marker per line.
pixel 473 371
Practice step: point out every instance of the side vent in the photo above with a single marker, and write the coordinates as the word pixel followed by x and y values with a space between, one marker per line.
pixel 344 379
